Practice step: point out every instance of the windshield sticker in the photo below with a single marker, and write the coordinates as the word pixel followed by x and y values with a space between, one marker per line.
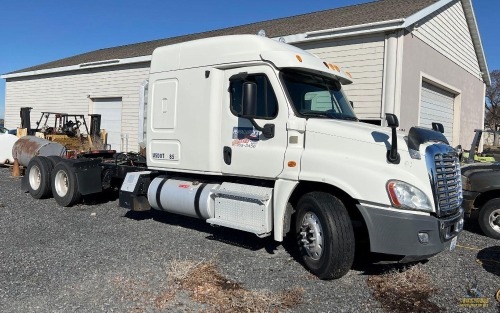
pixel 245 137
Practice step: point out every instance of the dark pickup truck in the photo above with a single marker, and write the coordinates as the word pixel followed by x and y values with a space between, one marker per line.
pixel 481 190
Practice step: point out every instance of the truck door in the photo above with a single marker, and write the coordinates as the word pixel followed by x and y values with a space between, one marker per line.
pixel 246 151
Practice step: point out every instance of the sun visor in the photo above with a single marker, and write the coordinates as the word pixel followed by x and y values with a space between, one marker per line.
pixel 306 62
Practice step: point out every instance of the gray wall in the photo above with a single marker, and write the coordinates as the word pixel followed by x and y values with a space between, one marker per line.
pixel 447 31
pixel 420 59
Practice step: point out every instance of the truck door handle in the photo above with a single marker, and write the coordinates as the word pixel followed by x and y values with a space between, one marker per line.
pixel 227 155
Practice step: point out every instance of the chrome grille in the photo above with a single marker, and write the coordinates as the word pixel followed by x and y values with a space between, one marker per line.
pixel 444 171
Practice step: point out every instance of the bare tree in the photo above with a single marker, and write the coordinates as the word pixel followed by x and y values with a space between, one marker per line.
pixel 492 106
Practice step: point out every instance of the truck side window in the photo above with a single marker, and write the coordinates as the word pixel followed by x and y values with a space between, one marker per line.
pixel 267 104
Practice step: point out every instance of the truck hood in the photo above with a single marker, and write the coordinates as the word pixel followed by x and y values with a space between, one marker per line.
pixel 351 153
pixel 357 131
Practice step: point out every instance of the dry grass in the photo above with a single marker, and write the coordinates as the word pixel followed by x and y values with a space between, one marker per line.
pixel 199 286
pixel 207 286
pixel 177 270
pixel 407 291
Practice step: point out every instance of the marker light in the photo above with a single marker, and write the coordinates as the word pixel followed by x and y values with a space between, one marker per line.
pixel 298 58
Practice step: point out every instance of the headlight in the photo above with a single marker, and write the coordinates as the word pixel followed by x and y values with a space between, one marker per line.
pixel 406 196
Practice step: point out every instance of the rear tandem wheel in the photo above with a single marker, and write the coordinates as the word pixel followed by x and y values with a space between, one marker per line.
pixel 38 177
pixel 64 185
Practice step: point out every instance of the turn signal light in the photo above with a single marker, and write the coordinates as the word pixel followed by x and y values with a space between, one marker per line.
pixel 392 194
pixel 292 164
pixel 298 58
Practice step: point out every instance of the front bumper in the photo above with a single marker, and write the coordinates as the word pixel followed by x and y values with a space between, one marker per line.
pixel 469 198
pixel 397 233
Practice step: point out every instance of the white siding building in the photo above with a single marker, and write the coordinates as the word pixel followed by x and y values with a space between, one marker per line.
pixel 422 60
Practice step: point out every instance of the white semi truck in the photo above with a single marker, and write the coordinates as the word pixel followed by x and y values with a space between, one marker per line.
pixel 253 134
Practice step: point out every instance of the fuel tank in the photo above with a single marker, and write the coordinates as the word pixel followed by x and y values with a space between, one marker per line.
pixel 189 198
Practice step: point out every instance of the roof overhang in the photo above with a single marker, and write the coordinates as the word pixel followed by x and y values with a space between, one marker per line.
pixel 348 31
pixel 82 66
pixel 384 26
pixel 354 30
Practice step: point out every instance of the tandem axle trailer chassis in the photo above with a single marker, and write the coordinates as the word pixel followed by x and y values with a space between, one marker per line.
pixel 70 179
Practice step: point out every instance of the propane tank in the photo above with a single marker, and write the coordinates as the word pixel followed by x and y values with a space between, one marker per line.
pixel 189 198
pixel 7 141
pixel 27 147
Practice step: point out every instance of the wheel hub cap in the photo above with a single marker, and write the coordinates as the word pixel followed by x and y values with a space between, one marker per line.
pixel 311 234
pixel 495 220
pixel 35 177
pixel 61 183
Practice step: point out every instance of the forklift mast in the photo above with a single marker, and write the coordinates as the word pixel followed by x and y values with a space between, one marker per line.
pixel 474 145
pixel 25 118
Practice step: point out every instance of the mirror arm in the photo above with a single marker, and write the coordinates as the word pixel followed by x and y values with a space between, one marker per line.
pixel 392 154
pixel 267 130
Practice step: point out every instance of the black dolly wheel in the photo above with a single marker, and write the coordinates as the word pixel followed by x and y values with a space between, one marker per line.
pixel 325 235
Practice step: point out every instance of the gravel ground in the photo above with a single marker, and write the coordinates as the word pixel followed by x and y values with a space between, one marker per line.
pixel 101 258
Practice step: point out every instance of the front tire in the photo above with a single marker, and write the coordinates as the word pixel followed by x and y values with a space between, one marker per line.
pixel 64 185
pixel 325 235
pixel 38 176
pixel 489 218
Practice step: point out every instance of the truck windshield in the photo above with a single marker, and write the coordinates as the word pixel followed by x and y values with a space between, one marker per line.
pixel 313 95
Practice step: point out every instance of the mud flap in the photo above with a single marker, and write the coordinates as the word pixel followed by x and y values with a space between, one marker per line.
pixel 88 175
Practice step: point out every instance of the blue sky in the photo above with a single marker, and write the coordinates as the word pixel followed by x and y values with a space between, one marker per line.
pixel 38 31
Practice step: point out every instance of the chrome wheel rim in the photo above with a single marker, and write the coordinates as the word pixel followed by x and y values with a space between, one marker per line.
pixel 311 234
pixel 494 220
pixel 35 177
pixel 61 183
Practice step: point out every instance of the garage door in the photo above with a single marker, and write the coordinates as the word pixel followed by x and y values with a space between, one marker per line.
pixel 437 106
pixel 111 120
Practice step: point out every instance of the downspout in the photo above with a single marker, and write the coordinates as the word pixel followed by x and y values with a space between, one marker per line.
pixel 391 84
pixel 481 144
pixel 389 79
